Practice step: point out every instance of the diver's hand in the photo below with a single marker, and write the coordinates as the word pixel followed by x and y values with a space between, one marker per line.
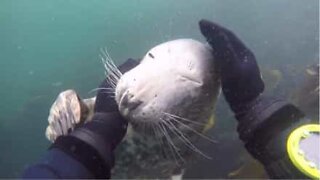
pixel 105 101
pixel 107 121
pixel 240 75
pixel 93 143
pixel 265 123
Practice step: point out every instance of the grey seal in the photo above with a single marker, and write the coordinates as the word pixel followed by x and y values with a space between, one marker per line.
pixel 168 99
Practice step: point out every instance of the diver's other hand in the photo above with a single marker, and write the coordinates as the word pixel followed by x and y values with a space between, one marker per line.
pixel 240 74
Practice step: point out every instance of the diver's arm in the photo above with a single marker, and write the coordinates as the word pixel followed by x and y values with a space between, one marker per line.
pixel 265 124
pixel 56 164
pixel 87 152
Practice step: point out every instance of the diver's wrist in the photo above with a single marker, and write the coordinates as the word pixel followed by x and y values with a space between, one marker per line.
pixel 274 155
pixel 97 159
pixel 263 115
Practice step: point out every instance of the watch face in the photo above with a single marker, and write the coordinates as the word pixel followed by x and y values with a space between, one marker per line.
pixel 310 145
pixel 303 147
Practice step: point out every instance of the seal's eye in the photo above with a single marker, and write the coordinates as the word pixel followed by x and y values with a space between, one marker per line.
pixel 151 55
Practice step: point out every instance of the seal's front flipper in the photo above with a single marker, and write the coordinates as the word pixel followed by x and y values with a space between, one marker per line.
pixel 67 112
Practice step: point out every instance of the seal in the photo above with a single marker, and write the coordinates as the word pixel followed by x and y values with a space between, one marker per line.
pixel 168 99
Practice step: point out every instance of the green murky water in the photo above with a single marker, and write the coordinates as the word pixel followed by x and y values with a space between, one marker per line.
pixel 47 46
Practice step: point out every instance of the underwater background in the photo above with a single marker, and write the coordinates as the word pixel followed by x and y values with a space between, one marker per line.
pixel 47 46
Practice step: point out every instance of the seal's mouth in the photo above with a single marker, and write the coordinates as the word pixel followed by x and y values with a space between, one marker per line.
pixel 127 104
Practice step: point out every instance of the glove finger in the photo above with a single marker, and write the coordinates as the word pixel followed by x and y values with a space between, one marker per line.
pixel 244 83
pixel 215 35
pixel 228 48
pixel 213 31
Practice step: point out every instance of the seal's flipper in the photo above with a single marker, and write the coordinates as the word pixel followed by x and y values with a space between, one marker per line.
pixel 67 112
pixel 89 103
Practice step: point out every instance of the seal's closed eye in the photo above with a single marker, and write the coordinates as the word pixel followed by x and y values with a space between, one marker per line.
pixel 151 55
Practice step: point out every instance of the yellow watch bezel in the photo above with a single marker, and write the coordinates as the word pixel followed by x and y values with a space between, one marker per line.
pixel 295 154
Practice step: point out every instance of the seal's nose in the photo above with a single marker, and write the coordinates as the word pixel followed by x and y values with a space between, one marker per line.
pixel 130 102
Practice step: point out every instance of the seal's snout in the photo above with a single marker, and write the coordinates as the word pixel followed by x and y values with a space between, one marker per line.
pixel 128 103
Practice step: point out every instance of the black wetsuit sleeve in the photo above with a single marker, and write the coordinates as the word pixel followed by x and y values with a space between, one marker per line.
pixel 56 164
pixel 72 157
pixel 87 152
pixel 264 126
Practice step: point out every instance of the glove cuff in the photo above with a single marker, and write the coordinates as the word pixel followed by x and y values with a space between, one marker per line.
pixel 273 154
pixel 91 157
pixel 93 143
pixel 263 125
pixel 260 115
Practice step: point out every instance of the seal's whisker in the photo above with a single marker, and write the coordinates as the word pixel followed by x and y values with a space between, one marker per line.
pixel 111 90
pixel 176 150
pixel 193 130
pixel 110 63
pixel 111 82
pixel 166 128
pixel 184 139
pixel 106 63
pixel 162 143
pixel 158 126
pixel 112 72
pixel 173 129
pixel 158 136
pixel 172 150
pixel 144 127
pixel 155 132
pixel 184 119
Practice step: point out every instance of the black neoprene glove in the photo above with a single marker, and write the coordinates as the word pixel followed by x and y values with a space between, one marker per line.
pixel 240 75
pixel 93 143
pixel 263 122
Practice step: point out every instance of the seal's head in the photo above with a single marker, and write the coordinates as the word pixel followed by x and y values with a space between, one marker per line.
pixel 175 81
